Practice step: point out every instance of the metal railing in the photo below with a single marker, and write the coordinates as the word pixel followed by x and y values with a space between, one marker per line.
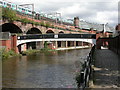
pixel 86 72
pixel 49 36
pixel 114 44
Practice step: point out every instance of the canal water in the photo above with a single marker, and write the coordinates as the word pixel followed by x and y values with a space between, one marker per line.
pixel 56 69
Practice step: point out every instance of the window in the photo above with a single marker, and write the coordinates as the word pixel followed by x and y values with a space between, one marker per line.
pixel 29 11
pixel 4 3
pixel 23 9
pixel 1 2
pixel 9 5
pixel 13 5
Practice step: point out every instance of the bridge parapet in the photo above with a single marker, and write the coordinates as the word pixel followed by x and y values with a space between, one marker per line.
pixel 90 38
pixel 48 36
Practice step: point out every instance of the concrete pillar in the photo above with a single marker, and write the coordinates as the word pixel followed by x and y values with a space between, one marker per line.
pixel 56 44
pixel 74 43
pixel 37 45
pixel 82 43
pixel 42 44
pixel 23 47
pixel 66 44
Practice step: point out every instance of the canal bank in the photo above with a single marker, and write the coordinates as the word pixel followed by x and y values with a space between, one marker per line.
pixel 77 47
pixel 7 54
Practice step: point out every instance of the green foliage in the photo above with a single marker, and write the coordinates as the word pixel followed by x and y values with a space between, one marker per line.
pixel 6 54
pixel 42 23
pixel 47 49
pixel 24 20
pixel 28 52
pixel 45 44
pixel 52 26
pixel 47 24
pixel 9 14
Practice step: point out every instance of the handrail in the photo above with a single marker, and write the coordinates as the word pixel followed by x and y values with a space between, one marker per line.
pixel 48 36
pixel 86 72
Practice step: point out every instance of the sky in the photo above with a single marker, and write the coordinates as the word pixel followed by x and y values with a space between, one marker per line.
pixel 94 11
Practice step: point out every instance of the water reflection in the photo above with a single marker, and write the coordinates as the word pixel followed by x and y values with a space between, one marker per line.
pixel 43 70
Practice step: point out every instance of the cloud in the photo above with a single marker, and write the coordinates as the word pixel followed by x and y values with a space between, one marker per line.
pixel 98 11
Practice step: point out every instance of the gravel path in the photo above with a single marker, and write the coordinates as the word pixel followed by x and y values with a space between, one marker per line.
pixel 106 71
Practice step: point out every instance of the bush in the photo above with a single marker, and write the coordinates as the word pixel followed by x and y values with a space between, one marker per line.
pixel 9 14
pixel 47 24
pixel 42 23
pixel 6 54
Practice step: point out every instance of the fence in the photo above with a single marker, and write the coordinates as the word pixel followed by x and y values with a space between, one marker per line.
pixel 114 44
pixel 86 72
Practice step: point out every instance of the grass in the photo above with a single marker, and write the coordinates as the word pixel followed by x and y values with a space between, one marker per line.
pixel 33 51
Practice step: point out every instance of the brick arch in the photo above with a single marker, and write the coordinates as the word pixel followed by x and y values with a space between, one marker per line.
pixel 50 31
pixel 10 27
pixel 61 32
pixel 34 30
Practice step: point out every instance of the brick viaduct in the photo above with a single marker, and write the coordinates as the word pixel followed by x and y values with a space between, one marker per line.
pixel 19 27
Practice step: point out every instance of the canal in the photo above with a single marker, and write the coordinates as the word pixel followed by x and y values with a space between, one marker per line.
pixel 56 69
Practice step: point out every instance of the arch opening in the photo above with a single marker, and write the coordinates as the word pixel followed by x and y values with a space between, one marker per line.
pixel 10 27
pixel 33 45
pixel 49 31
pixel 34 31
pixel 61 32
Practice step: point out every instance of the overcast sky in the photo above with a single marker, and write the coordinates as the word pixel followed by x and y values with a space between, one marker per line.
pixel 94 11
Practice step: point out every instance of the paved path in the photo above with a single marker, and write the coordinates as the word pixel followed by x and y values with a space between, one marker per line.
pixel 107 67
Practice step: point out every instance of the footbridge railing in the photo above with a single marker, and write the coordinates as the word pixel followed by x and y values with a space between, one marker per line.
pixel 50 36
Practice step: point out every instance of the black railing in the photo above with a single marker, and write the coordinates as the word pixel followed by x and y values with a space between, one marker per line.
pixel 114 44
pixel 50 36
pixel 86 72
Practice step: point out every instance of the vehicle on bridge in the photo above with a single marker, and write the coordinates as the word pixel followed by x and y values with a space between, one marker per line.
pixel 29 12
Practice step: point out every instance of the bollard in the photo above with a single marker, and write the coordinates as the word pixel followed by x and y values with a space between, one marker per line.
pixel 82 77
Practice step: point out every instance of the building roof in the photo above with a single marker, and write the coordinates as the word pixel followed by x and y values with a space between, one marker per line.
pixel 95 26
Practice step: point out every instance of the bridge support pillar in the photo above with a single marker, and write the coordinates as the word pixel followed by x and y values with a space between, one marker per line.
pixel 56 44
pixel 63 44
pixel 66 44
pixel 82 43
pixel 42 44
pixel 74 43
pixel 38 44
